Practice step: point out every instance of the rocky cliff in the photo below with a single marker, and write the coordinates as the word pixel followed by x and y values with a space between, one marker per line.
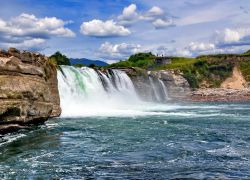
pixel 150 84
pixel 234 89
pixel 28 89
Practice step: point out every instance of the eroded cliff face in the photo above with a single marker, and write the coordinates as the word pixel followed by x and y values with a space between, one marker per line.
pixel 233 89
pixel 169 84
pixel 28 90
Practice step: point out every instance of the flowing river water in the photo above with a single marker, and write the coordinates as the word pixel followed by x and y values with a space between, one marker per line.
pixel 107 132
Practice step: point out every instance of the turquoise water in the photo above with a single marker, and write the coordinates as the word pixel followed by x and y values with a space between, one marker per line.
pixel 185 141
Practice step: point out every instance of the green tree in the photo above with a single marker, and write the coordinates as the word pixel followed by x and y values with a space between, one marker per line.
pixel 142 60
pixel 92 66
pixel 59 59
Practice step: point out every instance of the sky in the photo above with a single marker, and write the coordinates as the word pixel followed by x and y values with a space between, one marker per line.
pixel 112 30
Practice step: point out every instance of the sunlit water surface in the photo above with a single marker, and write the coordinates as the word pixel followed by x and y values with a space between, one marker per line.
pixel 164 142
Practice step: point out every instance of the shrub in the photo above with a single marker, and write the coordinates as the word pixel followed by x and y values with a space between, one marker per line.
pixel 245 69
pixel 191 78
pixel 59 59
pixel 142 60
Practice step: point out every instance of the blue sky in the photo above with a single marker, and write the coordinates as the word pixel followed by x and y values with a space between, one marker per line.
pixel 114 29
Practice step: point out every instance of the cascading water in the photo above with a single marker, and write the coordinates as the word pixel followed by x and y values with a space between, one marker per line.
pixel 159 90
pixel 86 92
pixel 165 91
pixel 155 90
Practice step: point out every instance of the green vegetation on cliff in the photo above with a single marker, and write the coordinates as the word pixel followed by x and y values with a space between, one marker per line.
pixel 206 73
pixel 142 60
pixel 247 53
pixel 202 71
pixel 59 59
pixel 245 69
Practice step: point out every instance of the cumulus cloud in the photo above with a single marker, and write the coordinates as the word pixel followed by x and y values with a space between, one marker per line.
pixel 154 15
pixel 232 36
pixel 226 41
pixel 98 28
pixel 28 31
pixel 155 11
pixel 118 51
pixel 129 15
pixel 157 17
pixel 30 25
pixel 162 23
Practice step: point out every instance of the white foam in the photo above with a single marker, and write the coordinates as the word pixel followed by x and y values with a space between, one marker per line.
pixel 10 138
pixel 82 94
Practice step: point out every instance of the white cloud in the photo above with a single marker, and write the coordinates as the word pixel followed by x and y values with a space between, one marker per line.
pixel 31 44
pixel 129 12
pixel 155 15
pixel 100 28
pixel 30 25
pixel 161 23
pixel 118 51
pixel 166 51
pixel 226 41
pixel 129 15
pixel 232 35
pixel 155 11
pixel 26 31
pixel 197 47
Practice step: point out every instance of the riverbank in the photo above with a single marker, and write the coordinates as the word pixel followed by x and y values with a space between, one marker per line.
pixel 220 95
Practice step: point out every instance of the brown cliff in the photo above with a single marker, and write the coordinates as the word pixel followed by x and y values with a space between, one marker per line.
pixel 28 89
pixel 234 89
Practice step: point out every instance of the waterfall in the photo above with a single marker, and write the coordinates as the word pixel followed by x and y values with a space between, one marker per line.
pixel 155 89
pixel 86 91
pixel 159 89
pixel 164 90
